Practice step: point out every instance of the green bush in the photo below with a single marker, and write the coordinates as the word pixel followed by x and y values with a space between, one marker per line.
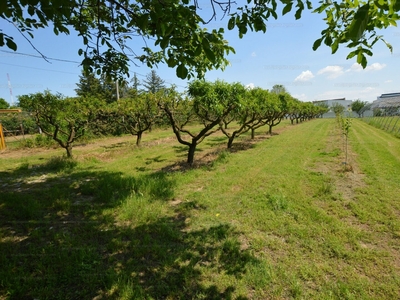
pixel 42 140
pixel 39 140
pixel 12 122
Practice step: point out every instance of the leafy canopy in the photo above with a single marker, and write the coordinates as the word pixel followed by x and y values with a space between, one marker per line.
pixel 4 104
pixel 177 28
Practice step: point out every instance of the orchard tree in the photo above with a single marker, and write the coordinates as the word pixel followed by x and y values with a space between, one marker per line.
pixel 180 113
pixel 175 32
pixel 275 109
pixel 270 109
pixel 208 103
pixel 242 112
pixel 258 98
pixel 360 107
pixel 63 119
pixel 137 115
pixel 338 109
pixel 323 108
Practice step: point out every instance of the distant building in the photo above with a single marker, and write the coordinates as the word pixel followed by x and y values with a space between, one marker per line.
pixel 387 101
pixel 387 104
pixel 330 102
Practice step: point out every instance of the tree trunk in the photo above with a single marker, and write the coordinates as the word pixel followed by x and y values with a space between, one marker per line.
pixel 270 129
pixel 230 142
pixel 139 138
pixel 192 149
pixel 253 133
pixel 69 150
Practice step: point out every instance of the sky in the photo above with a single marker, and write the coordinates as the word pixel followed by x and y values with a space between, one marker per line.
pixel 282 55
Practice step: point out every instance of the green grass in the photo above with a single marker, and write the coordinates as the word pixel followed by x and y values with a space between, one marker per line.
pixel 275 219
pixel 390 124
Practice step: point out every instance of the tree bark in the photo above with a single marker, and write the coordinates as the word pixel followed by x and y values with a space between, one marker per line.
pixel 139 138
pixel 69 150
pixel 192 149
pixel 230 142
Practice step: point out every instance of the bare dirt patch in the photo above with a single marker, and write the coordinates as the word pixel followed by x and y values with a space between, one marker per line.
pixel 345 175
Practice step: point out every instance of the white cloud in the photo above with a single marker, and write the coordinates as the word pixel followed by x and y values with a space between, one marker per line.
pixel 367 93
pixel 305 76
pixel 250 86
pixel 253 54
pixel 331 71
pixel 374 67
pixel 301 97
pixel 355 67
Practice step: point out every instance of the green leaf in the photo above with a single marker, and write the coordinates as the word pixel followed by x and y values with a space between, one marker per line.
pixel 352 54
pixel 388 45
pixel 316 44
pixel 31 10
pixel 231 23
pixel 321 8
pixel 164 43
pixel 10 44
pixel 359 24
pixel 287 8
pixel 363 61
pixel 171 62
pixel 210 54
pixel 198 50
pixel 206 43
pixel 298 14
pixel 328 40
pixel 181 71
pixel 335 46
pixel 368 52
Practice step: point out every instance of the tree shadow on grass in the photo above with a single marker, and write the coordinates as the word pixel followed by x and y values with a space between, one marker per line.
pixel 216 141
pixel 61 238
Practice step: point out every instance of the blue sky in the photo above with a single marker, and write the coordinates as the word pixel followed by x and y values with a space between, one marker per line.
pixel 283 55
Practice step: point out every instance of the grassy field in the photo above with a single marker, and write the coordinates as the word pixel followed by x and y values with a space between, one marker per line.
pixel 390 124
pixel 282 218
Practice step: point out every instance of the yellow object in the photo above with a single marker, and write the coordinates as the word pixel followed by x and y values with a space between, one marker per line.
pixel 2 141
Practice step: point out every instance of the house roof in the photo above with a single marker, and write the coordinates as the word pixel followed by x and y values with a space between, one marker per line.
pixel 338 99
pixel 387 101
pixel 389 95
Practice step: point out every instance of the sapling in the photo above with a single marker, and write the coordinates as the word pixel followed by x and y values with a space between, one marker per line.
pixel 346 124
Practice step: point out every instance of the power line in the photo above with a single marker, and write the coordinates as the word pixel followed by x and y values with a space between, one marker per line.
pixel 38 68
pixel 57 59
pixel 41 57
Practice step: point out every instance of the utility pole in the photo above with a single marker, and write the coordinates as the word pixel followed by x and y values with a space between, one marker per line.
pixel 9 86
pixel 116 83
